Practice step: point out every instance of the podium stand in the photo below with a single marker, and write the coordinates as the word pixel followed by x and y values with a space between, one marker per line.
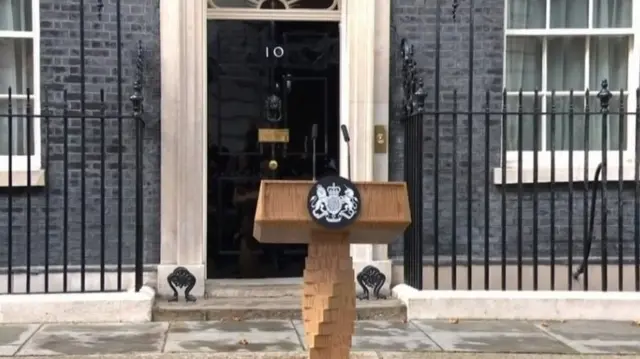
pixel 329 215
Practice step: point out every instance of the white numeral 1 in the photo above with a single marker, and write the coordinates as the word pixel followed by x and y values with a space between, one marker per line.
pixel 278 51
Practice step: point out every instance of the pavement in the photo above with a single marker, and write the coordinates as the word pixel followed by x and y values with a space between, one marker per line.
pixel 271 339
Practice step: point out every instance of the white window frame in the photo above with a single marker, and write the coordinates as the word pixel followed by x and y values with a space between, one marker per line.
pixel 562 157
pixel 19 163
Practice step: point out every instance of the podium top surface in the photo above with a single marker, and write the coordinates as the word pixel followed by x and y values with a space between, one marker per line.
pixel 282 214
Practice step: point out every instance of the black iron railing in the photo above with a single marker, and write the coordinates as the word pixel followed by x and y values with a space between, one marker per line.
pixel 518 190
pixel 60 229
pixel 523 209
pixel 71 162
pixel 414 97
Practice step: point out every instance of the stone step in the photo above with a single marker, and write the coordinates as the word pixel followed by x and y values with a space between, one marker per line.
pixel 253 288
pixel 271 298
pixel 247 308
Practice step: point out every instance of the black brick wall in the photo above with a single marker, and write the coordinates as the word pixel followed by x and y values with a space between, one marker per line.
pixel 415 20
pixel 411 19
pixel 60 69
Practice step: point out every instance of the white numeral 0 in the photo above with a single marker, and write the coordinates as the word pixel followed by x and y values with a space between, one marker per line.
pixel 277 51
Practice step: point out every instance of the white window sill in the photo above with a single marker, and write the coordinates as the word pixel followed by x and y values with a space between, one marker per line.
pixel 20 178
pixel 561 174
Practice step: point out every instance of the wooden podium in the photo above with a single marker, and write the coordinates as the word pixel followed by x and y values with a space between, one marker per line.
pixel 285 214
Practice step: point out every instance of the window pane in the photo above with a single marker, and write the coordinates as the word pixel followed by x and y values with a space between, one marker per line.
pixel 564 123
pixel 18 137
pixel 15 15
pixel 584 127
pixel 526 14
pixel 608 59
pixel 16 65
pixel 565 61
pixel 513 123
pixel 612 13
pixel 569 13
pixel 524 63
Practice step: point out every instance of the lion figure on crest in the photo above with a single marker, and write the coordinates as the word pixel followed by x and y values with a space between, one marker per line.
pixel 334 203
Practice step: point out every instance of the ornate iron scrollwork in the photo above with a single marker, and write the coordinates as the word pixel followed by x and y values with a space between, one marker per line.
pixel 371 277
pixel 100 7
pixel 454 8
pixel 182 278
pixel 137 98
pixel 604 95
pixel 412 85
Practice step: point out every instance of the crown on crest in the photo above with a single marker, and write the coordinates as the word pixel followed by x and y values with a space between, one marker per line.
pixel 333 190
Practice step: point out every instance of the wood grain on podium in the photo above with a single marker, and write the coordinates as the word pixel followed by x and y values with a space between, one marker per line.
pixel 328 300
pixel 282 215
pixel 329 293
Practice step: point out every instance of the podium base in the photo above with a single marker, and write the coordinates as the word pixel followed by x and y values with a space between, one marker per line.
pixel 329 299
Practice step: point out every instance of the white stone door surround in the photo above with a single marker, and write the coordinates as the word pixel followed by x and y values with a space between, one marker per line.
pixel 365 49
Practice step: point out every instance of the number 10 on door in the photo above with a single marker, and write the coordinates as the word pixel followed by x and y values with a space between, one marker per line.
pixel 276 52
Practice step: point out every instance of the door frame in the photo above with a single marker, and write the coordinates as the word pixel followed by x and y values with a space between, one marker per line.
pixel 364 102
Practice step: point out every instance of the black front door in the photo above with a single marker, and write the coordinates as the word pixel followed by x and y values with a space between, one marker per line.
pixel 269 84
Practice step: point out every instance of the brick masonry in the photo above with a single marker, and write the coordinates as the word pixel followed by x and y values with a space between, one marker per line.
pixel 411 19
pixel 60 69
pixel 415 20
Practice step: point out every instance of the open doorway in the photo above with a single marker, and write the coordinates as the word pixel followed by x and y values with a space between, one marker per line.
pixel 265 74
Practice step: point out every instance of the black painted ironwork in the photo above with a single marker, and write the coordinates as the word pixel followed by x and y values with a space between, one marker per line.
pixel 137 102
pixel 100 7
pixel 454 8
pixel 599 178
pixel 273 106
pixel 279 75
pixel 72 208
pixel 181 277
pixel 371 277
pixel 413 86
pixel 592 222
pixel 510 215
pixel 413 106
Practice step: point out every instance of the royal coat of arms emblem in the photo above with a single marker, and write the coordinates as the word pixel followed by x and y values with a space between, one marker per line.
pixel 334 202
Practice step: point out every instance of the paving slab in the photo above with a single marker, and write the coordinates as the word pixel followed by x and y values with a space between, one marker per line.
pixel 391 336
pixel 384 336
pixel 355 355
pixel 86 339
pixel 271 339
pixel 455 355
pixel 13 336
pixel 233 336
pixel 491 337
pixel 193 355
pixel 596 337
